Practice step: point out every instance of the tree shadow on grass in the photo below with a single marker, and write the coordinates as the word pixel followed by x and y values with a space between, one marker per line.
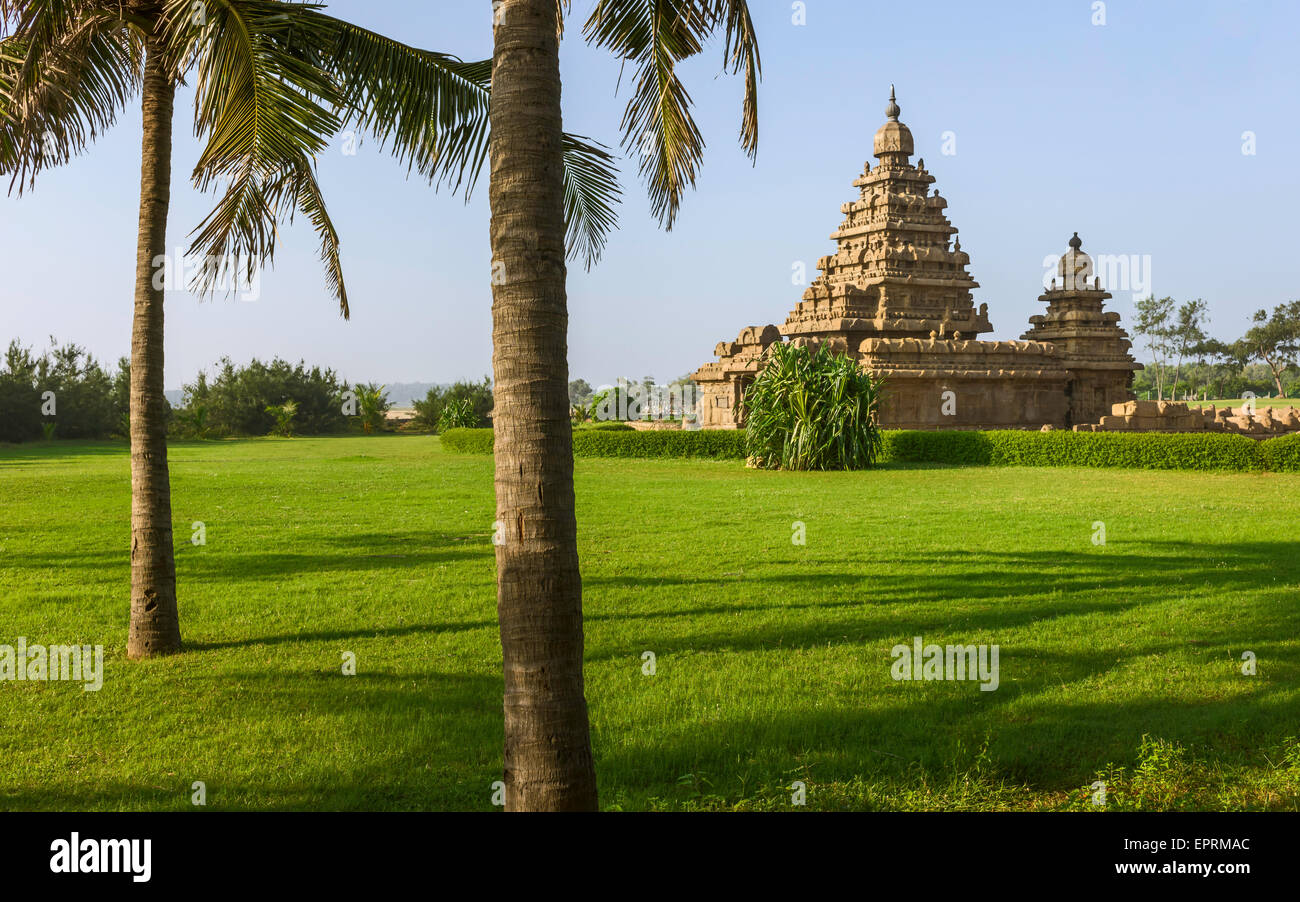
pixel 398 632
pixel 416 740
pixel 944 735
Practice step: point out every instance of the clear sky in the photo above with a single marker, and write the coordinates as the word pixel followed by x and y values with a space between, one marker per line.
pixel 1129 132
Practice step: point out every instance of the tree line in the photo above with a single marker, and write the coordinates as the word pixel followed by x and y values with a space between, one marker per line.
pixel 65 393
pixel 1187 363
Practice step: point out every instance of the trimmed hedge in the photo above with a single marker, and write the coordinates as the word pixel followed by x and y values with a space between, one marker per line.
pixel 468 441
pixel 1140 451
pixel 1282 454
pixel 1143 451
pixel 713 444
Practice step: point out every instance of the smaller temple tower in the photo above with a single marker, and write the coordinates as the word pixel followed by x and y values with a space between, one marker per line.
pixel 1090 344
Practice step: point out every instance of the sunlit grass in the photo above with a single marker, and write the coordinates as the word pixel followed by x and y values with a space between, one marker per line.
pixel 772 658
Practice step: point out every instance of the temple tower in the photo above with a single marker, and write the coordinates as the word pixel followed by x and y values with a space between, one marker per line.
pixel 1093 348
pixel 898 270
pixel 897 298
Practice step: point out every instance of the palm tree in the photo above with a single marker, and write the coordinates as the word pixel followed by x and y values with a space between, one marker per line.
pixel 270 91
pixel 548 188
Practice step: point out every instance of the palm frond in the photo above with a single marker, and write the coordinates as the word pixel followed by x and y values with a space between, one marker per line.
pixel 63 82
pixel 591 192
pixel 654 36
pixel 267 108
pixel 430 108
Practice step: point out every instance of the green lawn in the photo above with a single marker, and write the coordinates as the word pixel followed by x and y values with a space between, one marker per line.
pixel 773 659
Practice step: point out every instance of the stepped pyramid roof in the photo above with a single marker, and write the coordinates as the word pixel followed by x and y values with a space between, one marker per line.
pixel 898 270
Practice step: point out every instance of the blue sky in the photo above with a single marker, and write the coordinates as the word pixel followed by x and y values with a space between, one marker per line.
pixel 1128 132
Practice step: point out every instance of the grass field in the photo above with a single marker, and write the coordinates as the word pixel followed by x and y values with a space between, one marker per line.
pixel 773 659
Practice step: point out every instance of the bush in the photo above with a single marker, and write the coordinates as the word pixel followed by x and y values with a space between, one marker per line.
pixel 238 398
pixel 84 399
pixel 1145 451
pixel 714 444
pixel 1282 454
pixel 479 394
pixel 458 415
pixel 20 400
pixel 468 441
pixel 812 410
pixel 612 426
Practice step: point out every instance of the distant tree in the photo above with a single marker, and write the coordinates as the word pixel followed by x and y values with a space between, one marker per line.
pixel 20 399
pixel 283 413
pixel 238 397
pixel 83 391
pixel 579 392
pixel 374 403
pixel 1153 322
pixel 1186 333
pixel 428 412
pixel 1275 339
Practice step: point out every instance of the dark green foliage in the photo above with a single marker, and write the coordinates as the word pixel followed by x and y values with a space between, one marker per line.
pixel 612 426
pixel 1282 454
pixel 1145 451
pixel 83 392
pixel 429 411
pixel 468 441
pixel 717 444
pixel 812 410
pixel 20 400
pixel 238 398
pixel 458 415
pixel 373 403
pixel 84 395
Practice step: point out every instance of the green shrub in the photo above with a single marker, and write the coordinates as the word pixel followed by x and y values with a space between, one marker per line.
pixel 610 427
pixel 1144 451
pixel 459 414
pixel 429 411
pixel 812 410
pixel 715 444
pixel 468 441
pixel 238 398
pixel 1282 454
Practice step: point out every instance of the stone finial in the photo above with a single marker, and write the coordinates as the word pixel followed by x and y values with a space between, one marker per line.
pixel 1076 242
pixel 892 111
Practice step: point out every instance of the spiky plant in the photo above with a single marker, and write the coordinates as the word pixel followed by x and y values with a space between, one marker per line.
pixel 458 415
pixel 811 410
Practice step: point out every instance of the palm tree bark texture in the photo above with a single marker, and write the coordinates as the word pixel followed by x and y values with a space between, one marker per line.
pixel 548 758
pixel 155 625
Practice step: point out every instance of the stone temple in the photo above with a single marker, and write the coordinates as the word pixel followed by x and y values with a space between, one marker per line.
pixel 897 297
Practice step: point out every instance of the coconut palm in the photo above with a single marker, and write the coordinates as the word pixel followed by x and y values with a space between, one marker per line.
pixel 270 91
pixel 548 189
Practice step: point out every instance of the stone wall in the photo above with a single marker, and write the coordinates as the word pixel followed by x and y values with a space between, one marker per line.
pixel 993 384
pixel 1175 416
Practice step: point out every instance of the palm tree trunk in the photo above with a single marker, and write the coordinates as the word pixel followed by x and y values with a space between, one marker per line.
pixel 548 762
pixel 155 626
